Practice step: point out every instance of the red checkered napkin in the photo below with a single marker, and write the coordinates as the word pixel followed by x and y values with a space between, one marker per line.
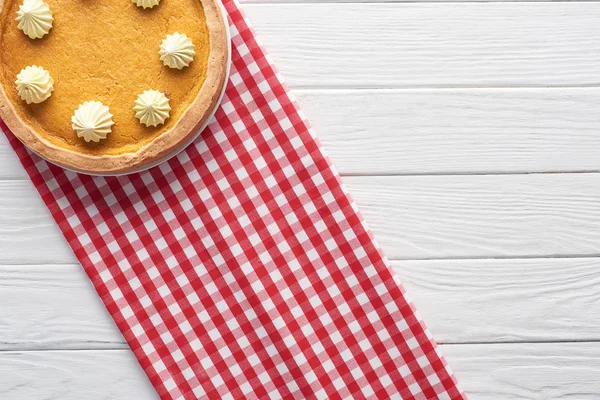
pixel 241 268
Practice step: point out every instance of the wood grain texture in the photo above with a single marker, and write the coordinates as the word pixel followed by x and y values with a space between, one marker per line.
pixel 519 300
pixel 552 371
pixel 457 131
pixel 429 217
pixel 73 375
pixel 444 131
pixel 541 371
pixel 413 217
pixel 463 301
pixel 432 45
pixel 27 230
pixel 52 307
pixel 393 87
pixel 10 167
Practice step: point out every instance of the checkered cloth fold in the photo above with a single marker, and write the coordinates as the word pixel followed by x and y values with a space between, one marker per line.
pixel 241 268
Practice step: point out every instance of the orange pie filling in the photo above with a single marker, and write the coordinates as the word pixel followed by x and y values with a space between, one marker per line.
pixel 104 51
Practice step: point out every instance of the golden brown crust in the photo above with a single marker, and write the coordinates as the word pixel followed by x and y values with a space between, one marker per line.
pixel 161 147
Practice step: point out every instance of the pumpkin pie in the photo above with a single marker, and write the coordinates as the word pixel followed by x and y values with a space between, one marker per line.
pixel 110 86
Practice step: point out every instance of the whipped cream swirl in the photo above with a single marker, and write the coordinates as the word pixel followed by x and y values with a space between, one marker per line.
pixel 177 51
pixel 92 121
pixel 34 18
pixel 152 108
pixel 146 3
pixel 34 84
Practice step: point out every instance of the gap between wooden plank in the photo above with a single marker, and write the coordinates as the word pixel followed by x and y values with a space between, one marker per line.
pixel 73 350
pixel 461 173
pixel 424 174
pixel 500 343
pixel 358 86
pixel 483 258
pixel 466 258
pixel 443 344
pixel 274 2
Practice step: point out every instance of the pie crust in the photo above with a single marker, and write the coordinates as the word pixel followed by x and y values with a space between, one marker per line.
pixel 166 143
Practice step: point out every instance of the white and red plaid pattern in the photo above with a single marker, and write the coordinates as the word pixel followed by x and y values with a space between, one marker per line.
pixel 241 268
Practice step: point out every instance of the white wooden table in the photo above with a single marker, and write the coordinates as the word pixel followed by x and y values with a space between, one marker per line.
pixel 469 135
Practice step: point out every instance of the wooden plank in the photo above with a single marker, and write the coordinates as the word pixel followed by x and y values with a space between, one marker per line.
pixel 432 45
pixel 413 217
pixel 10 167
pixel 501 371
pixel 547 371
pixel 52 307
pixel 73 375
pixel 27 230
pixel 444 131
pixel 466 216
pixel 463 301
pixel 490 300
pixel 457 131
